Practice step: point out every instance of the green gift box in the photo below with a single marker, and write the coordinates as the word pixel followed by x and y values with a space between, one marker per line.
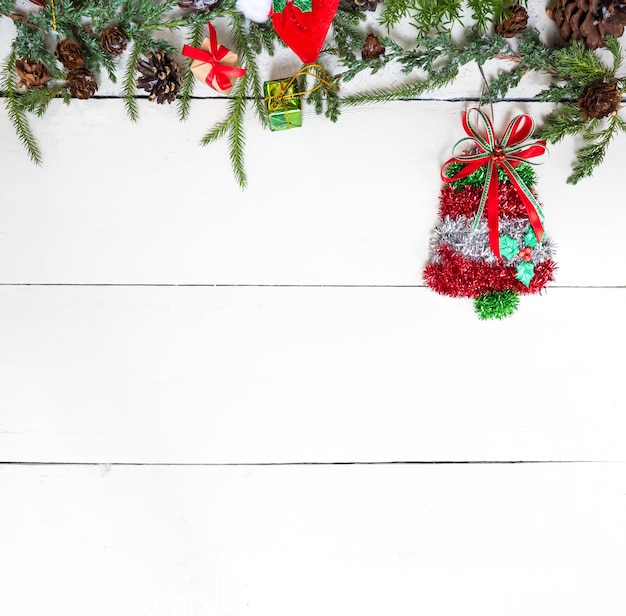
pixel 283 103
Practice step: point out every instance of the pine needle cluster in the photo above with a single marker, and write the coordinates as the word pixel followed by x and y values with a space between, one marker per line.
pixel 432 62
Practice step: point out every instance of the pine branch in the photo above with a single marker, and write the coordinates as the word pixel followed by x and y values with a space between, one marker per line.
pixel 129 84
pixel 591 155
pixel 236 136
pixel 324 91
pixel 254 85
pixel 233 127
pixel 567 120
pixel 16 111
pixel 194 39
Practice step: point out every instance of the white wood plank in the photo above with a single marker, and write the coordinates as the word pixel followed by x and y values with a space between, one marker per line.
pixel 352 203
pixel 307 374
pixel 477 541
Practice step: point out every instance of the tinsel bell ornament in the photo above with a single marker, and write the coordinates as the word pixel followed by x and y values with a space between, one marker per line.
pixel 160 76
pixel 69 54
pixel 113 41
pixel 360 5
pixel 372 48
pixel 514 24
pixel 198 5
pixel 33 75
pixel 490 244
pixel 81 83
pixel 599 100
pixel 589 20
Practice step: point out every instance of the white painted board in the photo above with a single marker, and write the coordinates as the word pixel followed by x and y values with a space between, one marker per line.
pixel 478 540
pixel 199 374
pixel 351 203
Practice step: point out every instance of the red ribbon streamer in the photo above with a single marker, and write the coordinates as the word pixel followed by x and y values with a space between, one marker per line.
pixel 218 72
pixel 506 153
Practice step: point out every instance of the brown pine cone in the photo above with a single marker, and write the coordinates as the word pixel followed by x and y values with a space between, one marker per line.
pixel 372 48
pixel 589 20
pixel 81 83
pixel 360 5
pixel 514 24
pixel 70 54
pixel 31 74
pixel 113 41
pixel 599 100
pixel 198 5
pixel 160 76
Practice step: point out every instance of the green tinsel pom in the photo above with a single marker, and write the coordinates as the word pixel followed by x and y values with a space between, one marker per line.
pixel 477 179
pixel 496 304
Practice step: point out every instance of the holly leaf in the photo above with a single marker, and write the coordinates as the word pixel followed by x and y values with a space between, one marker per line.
pixel 525 272
pixel 306 6
pixel 278 6
pixel 530 238
pixel 508 247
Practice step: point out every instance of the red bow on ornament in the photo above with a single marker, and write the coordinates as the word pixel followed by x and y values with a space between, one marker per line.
pixel 507 153
pixel 219 74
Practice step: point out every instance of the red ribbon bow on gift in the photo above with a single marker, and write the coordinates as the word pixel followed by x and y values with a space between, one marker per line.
pixel 507 153
pixel 218 72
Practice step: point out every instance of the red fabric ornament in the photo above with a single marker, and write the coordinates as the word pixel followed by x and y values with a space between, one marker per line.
pixel 305 32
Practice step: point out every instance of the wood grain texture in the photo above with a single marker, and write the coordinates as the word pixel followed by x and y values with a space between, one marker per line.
pixel 438 540
pixel 153 374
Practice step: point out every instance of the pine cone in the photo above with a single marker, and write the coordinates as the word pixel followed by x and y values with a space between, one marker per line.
pixel 160 76
pixel 198 5
pixel 113 41
pixel 31 74
pixel 81 83
pixel 589 20
pixel 360 5
pixel 70 54
pixel 372 48
pixel 599 100
pixel 516 22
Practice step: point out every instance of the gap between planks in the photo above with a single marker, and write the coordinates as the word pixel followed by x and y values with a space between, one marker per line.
pixel 261 286
pixel 358 463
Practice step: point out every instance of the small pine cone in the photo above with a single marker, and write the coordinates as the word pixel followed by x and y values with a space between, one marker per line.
pixel 372 48
pixel 360 5
pixel 70 54
pixel 516 22
pixel 160 76
pixel 589 20
pixel 198 5
pixel 113 41
pixel 31 74
pixel 599 100
pixel 81 83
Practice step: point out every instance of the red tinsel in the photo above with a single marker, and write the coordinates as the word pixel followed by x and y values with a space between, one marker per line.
pixel 464 202
pixel 457 276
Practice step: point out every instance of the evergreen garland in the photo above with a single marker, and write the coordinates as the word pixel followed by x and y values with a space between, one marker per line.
pixel 432 62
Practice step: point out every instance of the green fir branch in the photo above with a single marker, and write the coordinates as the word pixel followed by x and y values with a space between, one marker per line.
pixel 253 82
pixel 233 128
pixel 236 135
pixel 16 111
pixel 129 84
pixel 591 155
pixel 323 91
pixel 37 100
pixel 567 120
pixel 194 39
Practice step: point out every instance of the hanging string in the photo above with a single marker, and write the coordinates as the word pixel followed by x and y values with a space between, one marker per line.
pixel 279 99
pixel 54 15
pixel 482 74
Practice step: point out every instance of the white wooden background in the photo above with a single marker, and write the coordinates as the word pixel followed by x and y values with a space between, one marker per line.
pixel 224 402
